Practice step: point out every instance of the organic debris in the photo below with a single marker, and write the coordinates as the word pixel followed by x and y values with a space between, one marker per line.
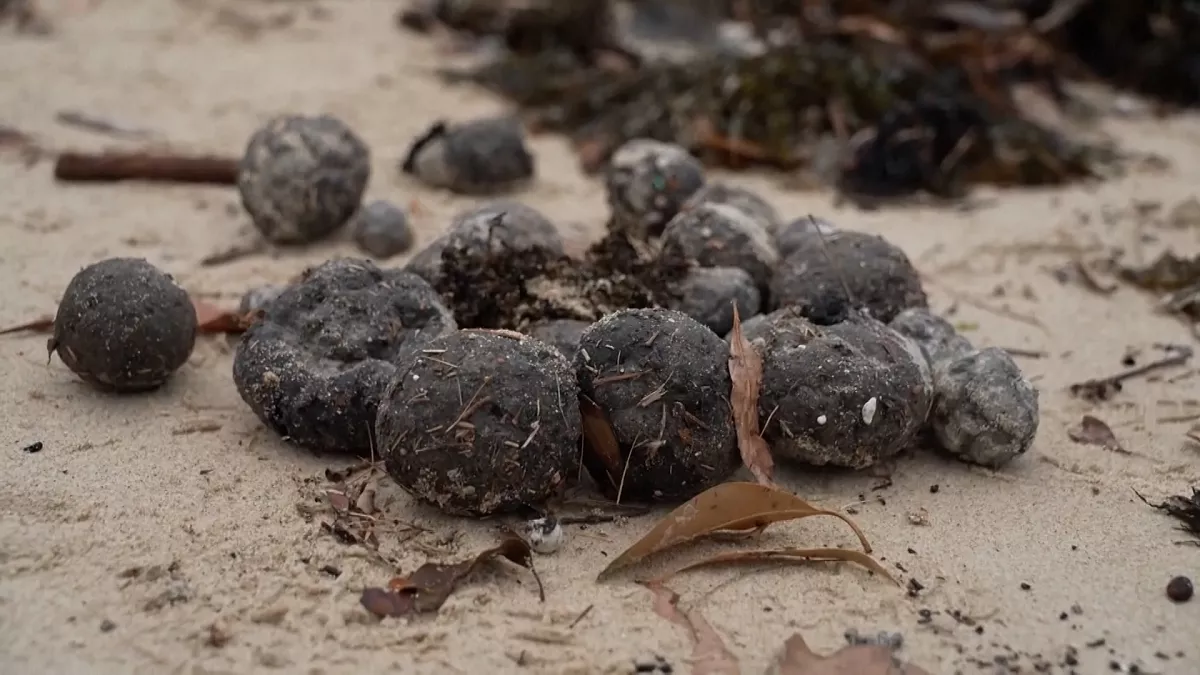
pixel 892 101
pixel 798 659
pixel 730 507
pixel 210 320
pixel 746 369
pixel 1105 388
pixel 805 555
pixel 428 588
pixel 1185 509
pixel 710 656
pixel 1094 431
pixel 1177 276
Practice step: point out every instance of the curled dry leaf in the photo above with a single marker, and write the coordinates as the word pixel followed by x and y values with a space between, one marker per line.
pixel 746 371
pixel 797 658
pixel 710 656
pixel 1094 431
pixel 788 555
pixel 432 584
pixel 729 506
pixel 600 441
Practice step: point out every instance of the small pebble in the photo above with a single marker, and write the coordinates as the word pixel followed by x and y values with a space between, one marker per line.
pixel 483 156
pixel 647 183
pixel 1180 589
pixel 124 325
pixel 301 177
pixel 381 229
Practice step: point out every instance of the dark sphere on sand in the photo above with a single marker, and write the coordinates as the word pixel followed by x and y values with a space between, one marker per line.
pixel 509 226
pixel 483 156
pixel 485 422
pixel 721 235
pixel 662 380
pixel 708 294
pixel 124 325
pixel 314 366
pixel 846 395
pixel 301 177
pixel 741 198
pixel 647 184
pixel 879 275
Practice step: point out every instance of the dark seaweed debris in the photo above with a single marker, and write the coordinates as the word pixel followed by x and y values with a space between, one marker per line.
pixel 1183 508
pixel 917 97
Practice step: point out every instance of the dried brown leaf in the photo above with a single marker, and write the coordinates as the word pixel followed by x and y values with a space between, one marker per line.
pixel 797 658
pixel 787 555
pixel 710 656
pixel 600 441
pixel 746 371
pixel 1094 431
pixel 213 319
pixel 729 506
pixel 427 589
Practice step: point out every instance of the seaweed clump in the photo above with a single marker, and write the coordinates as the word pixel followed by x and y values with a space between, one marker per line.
pixel 913 100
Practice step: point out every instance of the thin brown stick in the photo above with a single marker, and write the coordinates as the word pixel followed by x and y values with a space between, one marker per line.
pixel 114 166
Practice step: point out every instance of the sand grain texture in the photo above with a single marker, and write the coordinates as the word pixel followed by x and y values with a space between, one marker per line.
pixel 186 485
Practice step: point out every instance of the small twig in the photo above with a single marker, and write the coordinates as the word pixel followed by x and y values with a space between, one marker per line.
pixel 1026 353
pixel 235 252
pixel 1179 355
pixel 113 166
pixel 87 122
pixel 579 618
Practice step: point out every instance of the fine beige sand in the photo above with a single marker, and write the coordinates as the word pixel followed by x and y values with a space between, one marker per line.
pixel 185 484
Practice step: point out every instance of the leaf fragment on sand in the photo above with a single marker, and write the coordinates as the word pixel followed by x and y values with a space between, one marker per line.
pixel 787 555
pixel 796 658
pixel 209 319
pixel 746 372
pixel 710 656
pixel 1094 431
pixel 736 506
pixel 600 441
pixel 427 589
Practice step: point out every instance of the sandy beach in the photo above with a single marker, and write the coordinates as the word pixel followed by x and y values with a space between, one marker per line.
pixel 171 532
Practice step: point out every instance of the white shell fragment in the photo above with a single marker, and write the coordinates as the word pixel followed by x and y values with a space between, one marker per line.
pixel 545 534
pixel 821 419
pixel 868 410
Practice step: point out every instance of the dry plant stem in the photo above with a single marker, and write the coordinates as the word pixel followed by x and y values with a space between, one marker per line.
pixel 112 166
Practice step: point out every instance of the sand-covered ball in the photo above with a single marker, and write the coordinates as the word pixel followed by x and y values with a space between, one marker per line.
pixel 124 325
pixel 846 395
pixel 647 183
pixel 302 177
pixel 381 229
pixel 314 366
pixel 482 422
pixel 508 226
pixel 662 380
pixel 713 234
pixel 793 234
pixel 562 334
pixel 878 274
pixel 986 410
pixel 483 156
pixel 708 294
pixel 749 202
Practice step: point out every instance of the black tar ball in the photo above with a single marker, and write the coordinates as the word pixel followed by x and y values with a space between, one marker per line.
pixel 846 395
pixel 482 422
pixel 879 275
pixel 482 156
pixel 301 178
pixel 315 364
pixel 713 234
pixel 647 183
pixel 381 229
pixel 508 226
pixel 708 294
pixel 662 379
pixel 124 325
